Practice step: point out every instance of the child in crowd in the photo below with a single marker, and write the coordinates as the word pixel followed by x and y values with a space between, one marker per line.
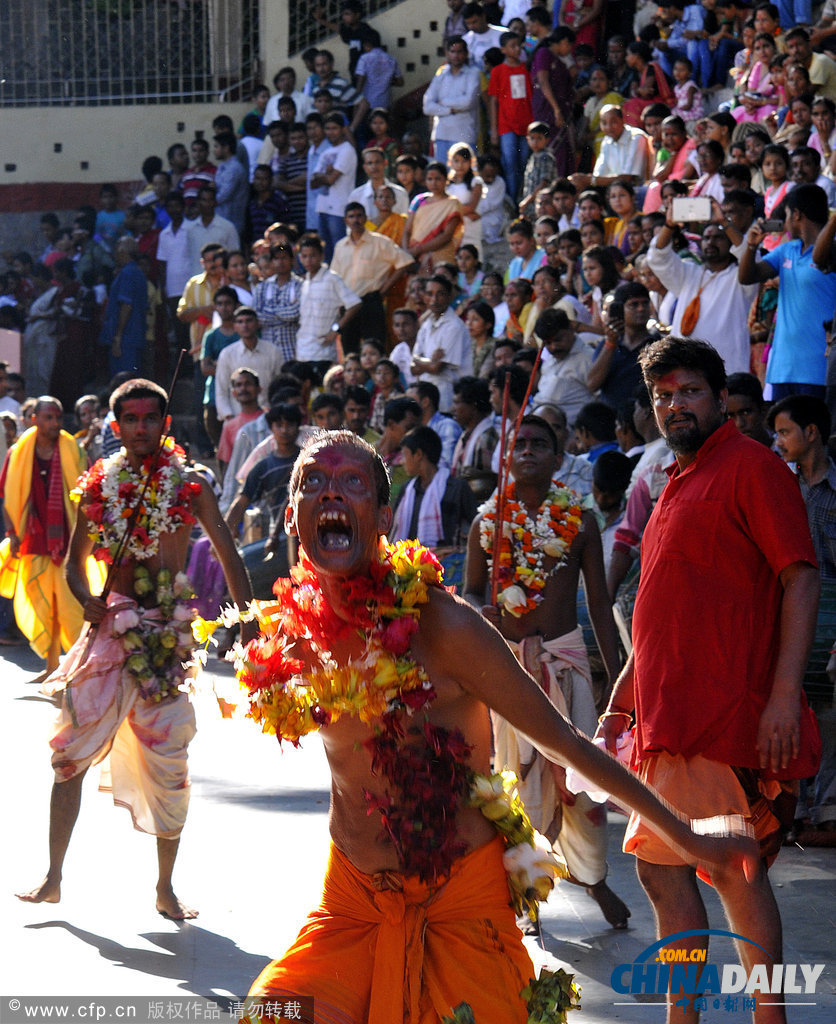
pixel 110 221
pixel 776 170
pixel 509 93
pixel 689 105
pixel 371 352
pixel 386 378
pixel 540 168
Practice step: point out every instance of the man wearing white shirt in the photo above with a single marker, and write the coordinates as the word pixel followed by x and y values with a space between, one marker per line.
pixel 326 305
pixel 335 172
pixel 480 36
pixel 285 83
pixel 452 100
pixel 317 144
pixel 209 227
pixel 625 153
pixel 173 257
pixel 443 350
pixel 374 166
pixel 252 353
pixel 724 303
pixel 563 381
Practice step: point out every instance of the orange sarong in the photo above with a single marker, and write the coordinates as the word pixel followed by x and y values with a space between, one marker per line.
pixel 389 949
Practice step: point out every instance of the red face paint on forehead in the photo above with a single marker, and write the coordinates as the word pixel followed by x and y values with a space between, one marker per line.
pixel 140 407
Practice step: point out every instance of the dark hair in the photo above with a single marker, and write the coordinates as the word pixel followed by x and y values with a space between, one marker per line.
pixel 533 420
pixel 518 379
pixel 550 322
pixel 225 291
pixel 396 409
pixel 426 389
pixel 612 471
pixel 671 353
pixel 810 201
pixel 287 411
pixel 713 147
pixel 598 419
pixel 151 165
pixel 474 391
pixel 746 384
pixel 485 311
pixel 138 387
pixel 641 49
pixel 343 439
pixel 803 410
pixel 630 290
pixel 426 440
pixel 359 395
pixel 603 257
pixel 327 400
pixel 405 311
pixel 521 226
pixel 738 172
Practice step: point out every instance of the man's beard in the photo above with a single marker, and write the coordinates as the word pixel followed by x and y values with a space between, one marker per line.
pixel 686 440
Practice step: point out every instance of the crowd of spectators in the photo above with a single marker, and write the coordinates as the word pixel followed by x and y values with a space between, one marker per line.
pixel 584 179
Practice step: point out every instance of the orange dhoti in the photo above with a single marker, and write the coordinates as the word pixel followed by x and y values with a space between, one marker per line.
pixel 389 949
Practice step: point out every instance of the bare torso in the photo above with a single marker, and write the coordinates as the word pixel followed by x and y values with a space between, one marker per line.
pixel 360 835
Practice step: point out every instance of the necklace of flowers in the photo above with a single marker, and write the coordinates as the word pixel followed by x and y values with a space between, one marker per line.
pixel 113 486
pixel 157 649
pixel 526 543
pixel 425 766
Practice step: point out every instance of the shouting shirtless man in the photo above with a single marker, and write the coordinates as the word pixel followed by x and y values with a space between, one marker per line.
pixel 119 682
pixel 415 917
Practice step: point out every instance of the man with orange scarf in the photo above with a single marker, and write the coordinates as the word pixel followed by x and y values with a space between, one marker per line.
pixel 40 471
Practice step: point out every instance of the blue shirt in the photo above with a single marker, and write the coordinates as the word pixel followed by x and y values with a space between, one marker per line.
pixel 518 267
pixel 806 298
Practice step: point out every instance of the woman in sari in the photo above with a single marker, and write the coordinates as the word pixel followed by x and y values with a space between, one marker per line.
pixel 652 86
pixel 480 321
pixel 434 222
pixel 755 92
pixel 518 297
pixel 387 222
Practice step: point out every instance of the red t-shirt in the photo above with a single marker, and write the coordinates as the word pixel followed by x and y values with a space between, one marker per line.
pixel 706 621
pixel 512 88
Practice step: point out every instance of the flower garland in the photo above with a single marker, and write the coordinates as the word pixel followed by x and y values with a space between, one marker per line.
pixel 288 698
pixel 525 543
pixel 157 650
pixel 113 487
pixel 531 863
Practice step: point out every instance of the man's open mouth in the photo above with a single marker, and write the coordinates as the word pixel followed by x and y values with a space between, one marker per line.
pixel 334 531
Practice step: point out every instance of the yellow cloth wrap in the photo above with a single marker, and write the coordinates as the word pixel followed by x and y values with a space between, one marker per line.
pixel 42 599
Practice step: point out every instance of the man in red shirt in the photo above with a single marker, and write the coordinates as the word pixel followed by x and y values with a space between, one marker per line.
pixel 509 96
pixel 724 618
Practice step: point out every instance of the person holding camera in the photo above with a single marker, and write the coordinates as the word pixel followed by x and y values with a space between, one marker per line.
pixel 615 371
pixel 798 357
pixel 711 303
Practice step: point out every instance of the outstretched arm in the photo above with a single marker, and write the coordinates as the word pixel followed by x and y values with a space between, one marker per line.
pixel 482 664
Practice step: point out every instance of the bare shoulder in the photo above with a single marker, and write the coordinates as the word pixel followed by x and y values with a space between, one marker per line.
pixel 455 641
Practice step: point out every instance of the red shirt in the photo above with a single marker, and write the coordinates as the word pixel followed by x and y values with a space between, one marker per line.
pixel 706 621
pixel 512 88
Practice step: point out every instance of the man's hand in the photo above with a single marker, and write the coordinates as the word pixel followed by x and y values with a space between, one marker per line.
pixel 779 732
pixel 756 233
pixel 14 545
pixel 95 610
pixel 492 614
pixel 609 729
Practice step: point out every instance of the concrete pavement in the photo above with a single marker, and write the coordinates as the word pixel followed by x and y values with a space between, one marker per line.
pixel 251 860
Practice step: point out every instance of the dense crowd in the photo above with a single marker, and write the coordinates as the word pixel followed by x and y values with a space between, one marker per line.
pixel 581 315
pixel 584 181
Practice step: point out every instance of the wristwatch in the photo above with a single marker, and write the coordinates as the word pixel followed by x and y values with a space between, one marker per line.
pixel 335 327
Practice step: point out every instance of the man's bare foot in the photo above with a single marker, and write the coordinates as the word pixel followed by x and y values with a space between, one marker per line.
pixel 169 906
pixel 47 892
pixel 615 910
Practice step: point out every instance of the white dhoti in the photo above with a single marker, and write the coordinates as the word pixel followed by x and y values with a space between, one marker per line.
pixel 103 713
pixel 561 667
